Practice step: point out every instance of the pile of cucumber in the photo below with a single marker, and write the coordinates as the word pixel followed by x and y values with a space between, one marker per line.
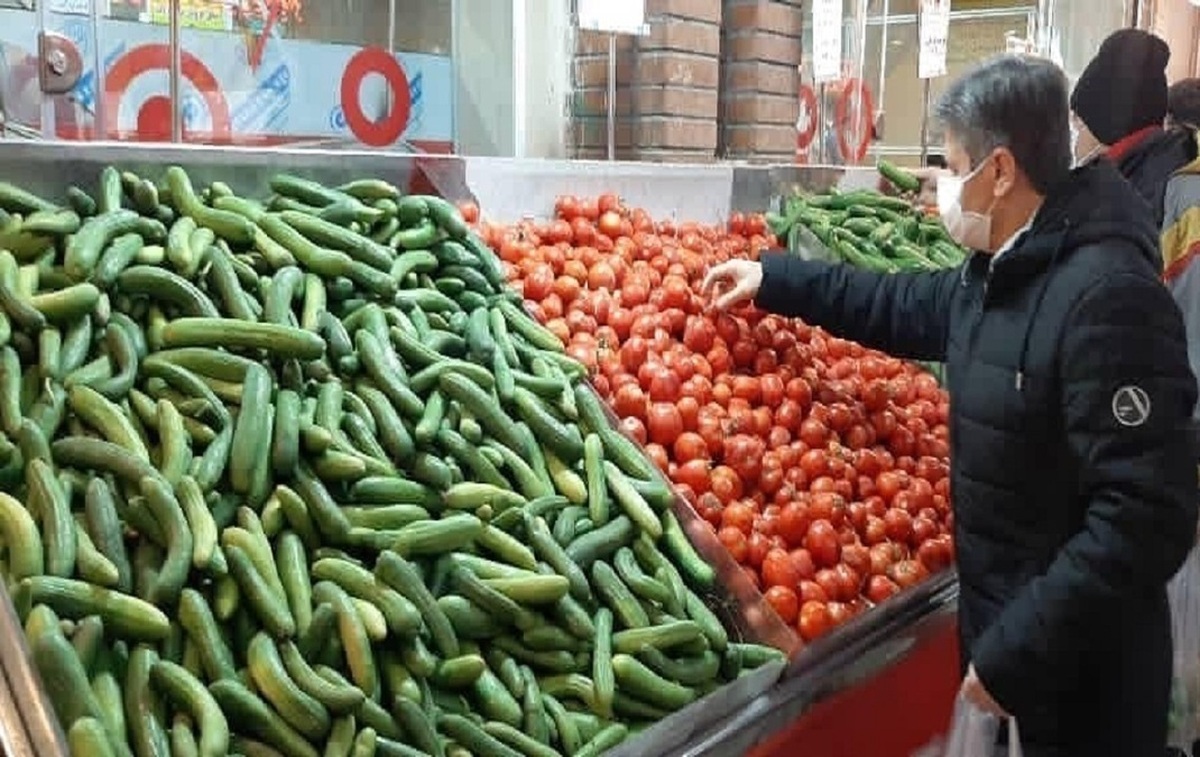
pixel 300 477
pixel 868 229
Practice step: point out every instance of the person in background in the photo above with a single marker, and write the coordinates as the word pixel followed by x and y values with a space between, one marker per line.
pixel 1073 462
pixel 1119 106
pixel 1183 104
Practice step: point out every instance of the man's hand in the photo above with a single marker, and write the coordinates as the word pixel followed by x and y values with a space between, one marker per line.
pixel 975 693
pixel 927 194
pixel 732 283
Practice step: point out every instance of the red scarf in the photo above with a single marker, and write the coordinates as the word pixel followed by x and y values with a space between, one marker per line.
pixel 1128 142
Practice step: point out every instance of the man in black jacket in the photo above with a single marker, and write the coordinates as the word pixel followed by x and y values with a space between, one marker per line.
pixel 1073 461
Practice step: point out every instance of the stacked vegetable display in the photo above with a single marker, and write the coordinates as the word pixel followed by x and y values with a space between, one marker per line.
pixel 867 229
pixel 821 465
pixel 299 477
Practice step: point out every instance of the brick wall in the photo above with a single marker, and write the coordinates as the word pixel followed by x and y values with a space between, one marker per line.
pixel 714 78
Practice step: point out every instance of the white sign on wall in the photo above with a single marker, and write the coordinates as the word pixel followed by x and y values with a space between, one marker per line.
pixel 78 7
pixel 934 35
pixel 612 16
pixel 827 40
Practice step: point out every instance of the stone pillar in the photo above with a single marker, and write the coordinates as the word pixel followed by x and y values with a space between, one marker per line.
pixel 760 81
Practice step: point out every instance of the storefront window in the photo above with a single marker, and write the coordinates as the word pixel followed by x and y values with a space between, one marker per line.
pixel 1079 26
pixel 974 35
pixel 376 73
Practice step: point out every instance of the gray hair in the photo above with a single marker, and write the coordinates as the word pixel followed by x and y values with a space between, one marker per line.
pixel 1018 102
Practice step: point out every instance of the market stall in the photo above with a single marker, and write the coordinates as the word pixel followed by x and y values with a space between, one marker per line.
pixel 155 279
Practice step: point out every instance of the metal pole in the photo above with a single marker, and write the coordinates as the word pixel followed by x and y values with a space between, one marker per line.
pixel 176 74
pixel 520 76
pixel 881 105
pixel 612 96
pixel 861 34
pixel 47 103
pixel 99 127
pixel 820 116
pixel 389 95
pixel 924 121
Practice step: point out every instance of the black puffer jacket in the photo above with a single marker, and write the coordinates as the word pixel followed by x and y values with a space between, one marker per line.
pixel 1149 164
pixel 1073 461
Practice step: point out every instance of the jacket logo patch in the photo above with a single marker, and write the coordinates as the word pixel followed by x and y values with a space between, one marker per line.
pixel 1131 406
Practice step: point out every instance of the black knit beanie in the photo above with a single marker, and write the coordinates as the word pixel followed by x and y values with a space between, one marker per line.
pixel 1124 88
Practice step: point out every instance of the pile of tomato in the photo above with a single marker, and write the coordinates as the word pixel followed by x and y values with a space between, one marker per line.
pixel 821 465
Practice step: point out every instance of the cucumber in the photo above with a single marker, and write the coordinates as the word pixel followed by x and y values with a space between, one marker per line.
pixel 185 690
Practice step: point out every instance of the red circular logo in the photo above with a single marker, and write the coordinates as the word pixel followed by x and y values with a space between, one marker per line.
pixel 806 122
pixel 854 134
pixel 154 115
pixel 385 131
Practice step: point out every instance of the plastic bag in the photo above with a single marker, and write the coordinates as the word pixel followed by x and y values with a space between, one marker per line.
pixel 1184 594
pixel 973 733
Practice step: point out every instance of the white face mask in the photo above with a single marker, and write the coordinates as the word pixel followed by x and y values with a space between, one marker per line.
pixel 966 227
pixel 1080 160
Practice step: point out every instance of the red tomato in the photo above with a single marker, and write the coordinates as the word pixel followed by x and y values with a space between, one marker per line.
pixel 630 402
pixel 822 543
pixel 779 570
pixel 690 446
pixel 693 473
pixel 726 483
pixel 735 542
pixel 739 515
pixel 664 423
pixel 814 621
pixel 881 587
pixel 784 602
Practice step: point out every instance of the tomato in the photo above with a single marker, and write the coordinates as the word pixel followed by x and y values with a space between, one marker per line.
pixel 839 613
pixel 658 454
pixel 813 432
pixel 814 620
pixel 793 523
pixel 849 580
pixel 880 587
pixel 799 391
pixel 634 429
pixel 890 483
pixel 630 402
pixel 815 464
pixel 699 334
pixel 803 563
pixel 821 541
pixel 609 224
pixel 758 547
pixel 933 555
pixel 664 386
pixel 690 446
pixel 735 542
pixel 898 524
pixel 857 557
pixel 709 508
pixel 634 352
pixel 664 424
pixel 908 573
pixel 778 569
pixel 923 529
pixel 739 515
pixel 784 602
pixel 725 483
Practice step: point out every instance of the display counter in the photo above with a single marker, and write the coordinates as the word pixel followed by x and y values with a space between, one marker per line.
pixel 902 642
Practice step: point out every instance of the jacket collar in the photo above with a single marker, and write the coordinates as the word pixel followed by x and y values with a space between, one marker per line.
pixel 1126 144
